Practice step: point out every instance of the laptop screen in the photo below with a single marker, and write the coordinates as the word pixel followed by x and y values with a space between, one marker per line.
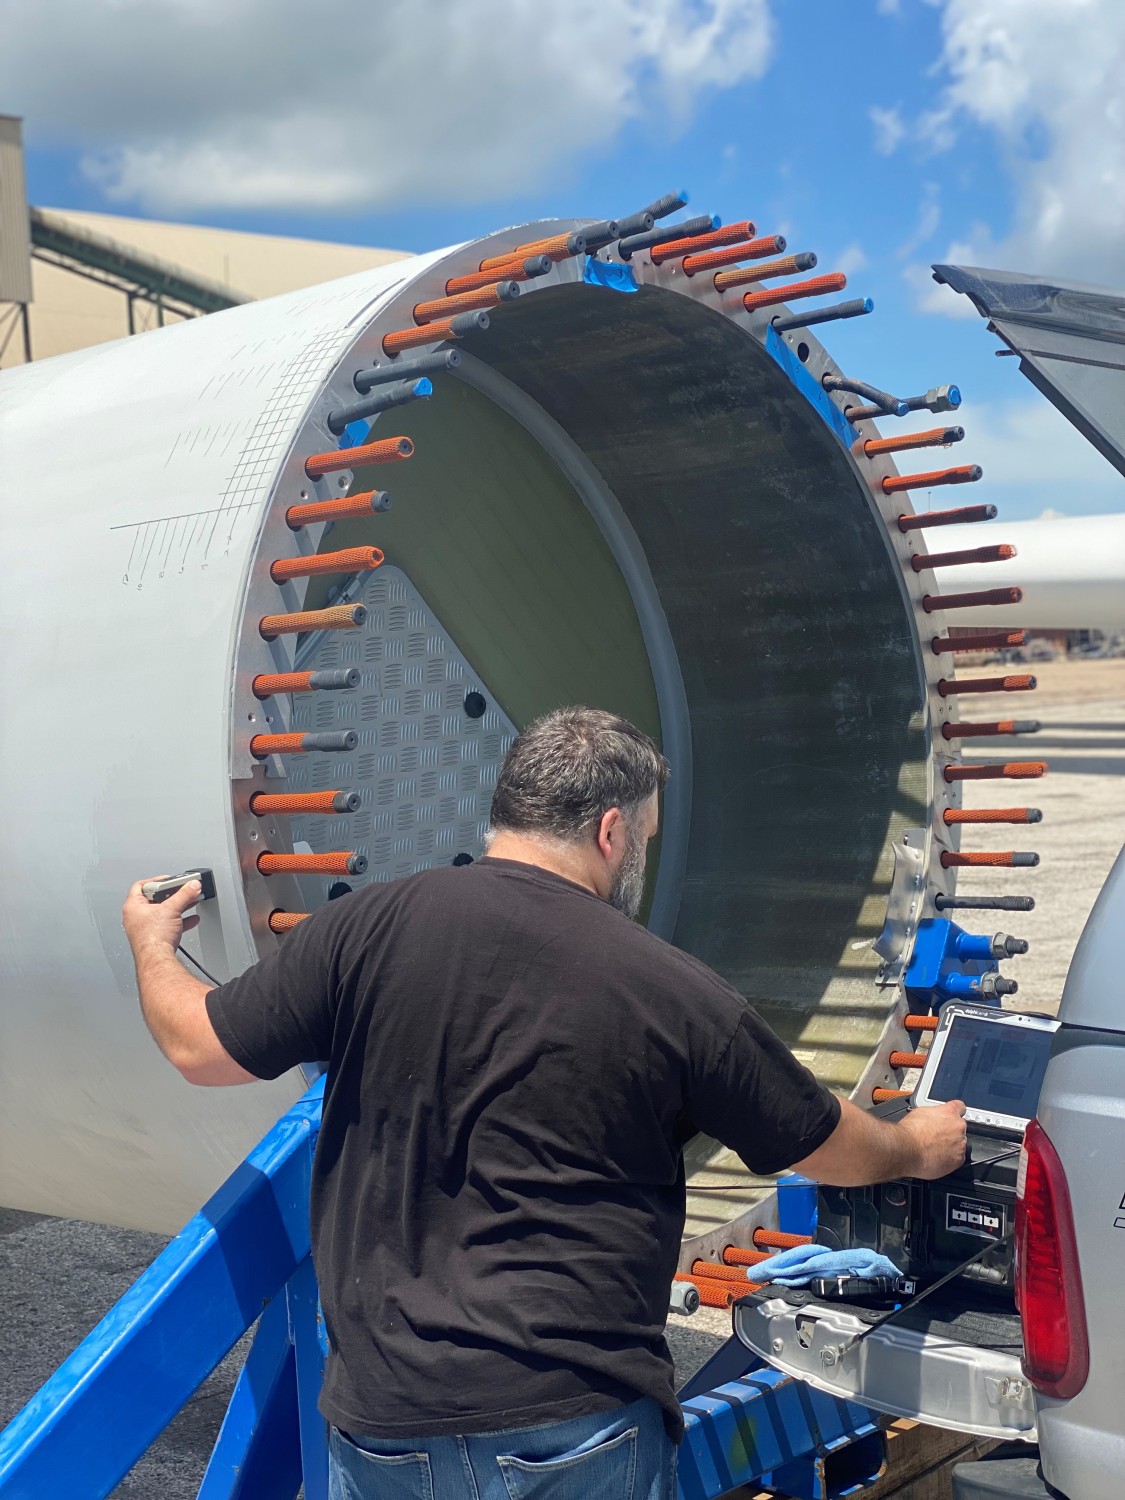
pixel 994 1068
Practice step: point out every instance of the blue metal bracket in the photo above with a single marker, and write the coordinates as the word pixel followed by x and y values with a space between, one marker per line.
pixel 244 1260
pixel 947 964
pixel 764 1424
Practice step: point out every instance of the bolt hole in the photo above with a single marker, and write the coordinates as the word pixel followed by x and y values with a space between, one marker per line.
pixel 342 481
pixel 253 834
pixel 803 353
pixel 304 494
pixel 250 717
pixel 475 705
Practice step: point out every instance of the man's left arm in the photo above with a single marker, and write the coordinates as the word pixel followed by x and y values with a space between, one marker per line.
pixel 173 1001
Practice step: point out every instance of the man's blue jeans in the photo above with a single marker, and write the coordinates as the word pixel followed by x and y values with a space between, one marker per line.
pixel 621 1454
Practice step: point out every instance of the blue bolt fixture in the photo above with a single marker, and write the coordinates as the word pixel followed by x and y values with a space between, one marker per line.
pixel 950 964
pixel 796 1204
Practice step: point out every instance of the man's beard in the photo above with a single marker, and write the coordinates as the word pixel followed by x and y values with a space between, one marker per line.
pixel 628 888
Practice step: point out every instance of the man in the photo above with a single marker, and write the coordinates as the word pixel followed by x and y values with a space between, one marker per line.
pixel 514 1066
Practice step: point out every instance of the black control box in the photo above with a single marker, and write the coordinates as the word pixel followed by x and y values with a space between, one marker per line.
pixel 929 1228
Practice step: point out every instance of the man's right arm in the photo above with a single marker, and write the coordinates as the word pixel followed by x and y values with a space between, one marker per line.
pixel 926 1143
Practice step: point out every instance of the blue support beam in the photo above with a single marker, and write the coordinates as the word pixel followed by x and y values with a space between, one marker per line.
pixel 130 1376
pixel 310 1346
pixel 257 1455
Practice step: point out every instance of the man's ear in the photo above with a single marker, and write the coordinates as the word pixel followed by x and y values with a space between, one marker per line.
pixel 609 832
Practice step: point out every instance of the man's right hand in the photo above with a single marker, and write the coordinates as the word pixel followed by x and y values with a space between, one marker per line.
pixel 927 1142
pixel 937 1134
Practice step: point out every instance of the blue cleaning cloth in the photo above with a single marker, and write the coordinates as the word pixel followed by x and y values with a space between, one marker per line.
pixel 798 1266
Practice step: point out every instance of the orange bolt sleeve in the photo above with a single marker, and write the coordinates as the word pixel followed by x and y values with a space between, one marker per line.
pixel 771 244
pixel 920 1023
pixel 510 270
pixel 273 684
pixel 1015 682
pixel 414 338
pixel 1008 770
pixel 713 1293
pixel 285 921
pixel 337 617
pixel 932 478
pixel 1008 860
pixel 483 297
pixel 385 451
pixel 263 803
pixel 350 560
pixel 725 281
pixel 712 1270
pixel 344 509
pixel 339 862
pixel 816 286
pixel 881 1096
pixel 977 731
pixel 277 744
pixel 981 640
pixel 953 815
pixel 933 437
pixel 734 1255
pixel 962 515
pixel 730 234
pixel 933 602
pixel 558 247
pixel 777 1239
pixel 1000 553
pixel 907 1059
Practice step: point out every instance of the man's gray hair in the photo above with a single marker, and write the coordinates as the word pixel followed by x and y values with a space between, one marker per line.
pixel 569 767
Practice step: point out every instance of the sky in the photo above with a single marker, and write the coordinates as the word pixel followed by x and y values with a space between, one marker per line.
pixel 885 135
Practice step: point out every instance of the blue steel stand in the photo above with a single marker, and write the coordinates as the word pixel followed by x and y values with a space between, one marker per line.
pixel 245 1258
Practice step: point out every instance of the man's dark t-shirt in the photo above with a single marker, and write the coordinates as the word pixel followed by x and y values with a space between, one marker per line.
pixel 498 1189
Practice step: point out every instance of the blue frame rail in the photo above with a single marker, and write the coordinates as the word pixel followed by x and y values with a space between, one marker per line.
pixel 245 1259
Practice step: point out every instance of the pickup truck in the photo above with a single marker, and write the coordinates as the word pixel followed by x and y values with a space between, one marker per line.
pixel 1070 1238
pixel 1038 1354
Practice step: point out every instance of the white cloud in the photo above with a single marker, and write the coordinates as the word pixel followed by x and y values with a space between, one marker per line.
pixel 182 105
pixel 926 224
pixel 850 259
pixel 889 128
pixel 889 7
pixel 1045 77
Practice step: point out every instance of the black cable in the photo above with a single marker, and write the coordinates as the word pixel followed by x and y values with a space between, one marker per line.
pixel 858 1338
pixel 1003 1156
pixel 199 966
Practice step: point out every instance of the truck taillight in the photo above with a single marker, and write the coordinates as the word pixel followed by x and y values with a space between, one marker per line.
pixel 1056 1355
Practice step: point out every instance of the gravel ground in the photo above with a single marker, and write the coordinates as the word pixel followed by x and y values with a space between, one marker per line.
pixel 58 1277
